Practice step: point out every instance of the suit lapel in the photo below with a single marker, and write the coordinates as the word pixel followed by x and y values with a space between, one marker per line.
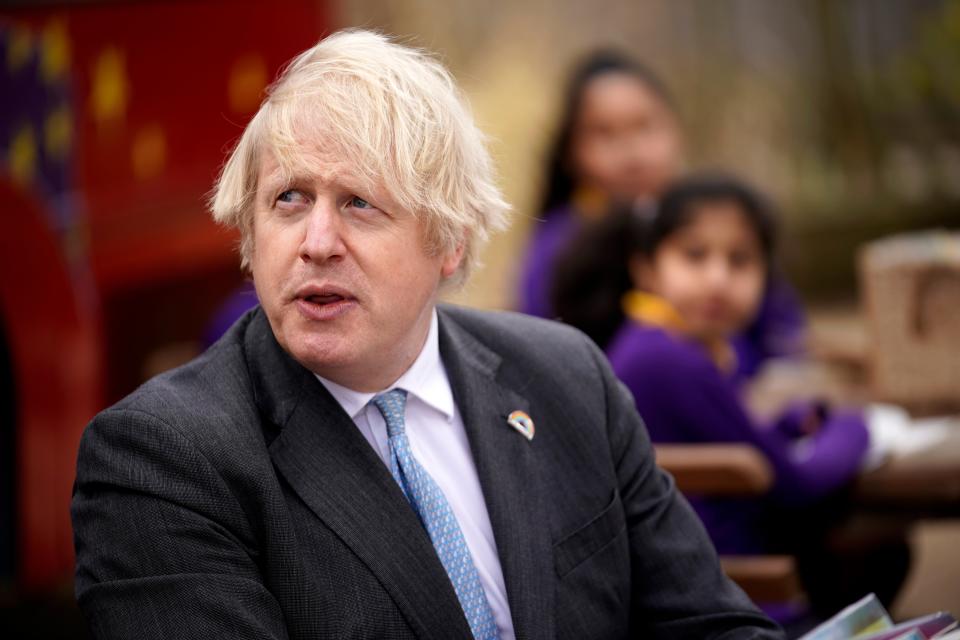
pixel 507 466
pixel 327 462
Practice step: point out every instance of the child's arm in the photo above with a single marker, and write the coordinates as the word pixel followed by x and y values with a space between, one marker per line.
pixel 710 410
pixel 801 418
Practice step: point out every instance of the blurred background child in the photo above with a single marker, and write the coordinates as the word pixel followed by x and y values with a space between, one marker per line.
pixel 682 280
pixel 620 144
pixel 619 140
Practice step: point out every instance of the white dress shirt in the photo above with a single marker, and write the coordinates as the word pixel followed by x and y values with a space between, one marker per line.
pixel 439 442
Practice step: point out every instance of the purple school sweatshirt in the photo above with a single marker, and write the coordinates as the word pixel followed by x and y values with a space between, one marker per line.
pixel 550 236
pixel 683 397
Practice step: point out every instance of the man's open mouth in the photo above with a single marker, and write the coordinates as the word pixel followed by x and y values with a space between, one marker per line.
pixel 327 298
pixel 316 303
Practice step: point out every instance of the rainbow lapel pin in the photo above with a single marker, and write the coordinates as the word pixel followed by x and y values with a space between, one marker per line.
pixel 522 423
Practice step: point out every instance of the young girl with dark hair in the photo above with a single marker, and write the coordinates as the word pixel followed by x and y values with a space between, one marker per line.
pixel 618 140
pixel 669 289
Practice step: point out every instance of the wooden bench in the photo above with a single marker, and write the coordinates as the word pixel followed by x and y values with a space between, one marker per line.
pixel 734 470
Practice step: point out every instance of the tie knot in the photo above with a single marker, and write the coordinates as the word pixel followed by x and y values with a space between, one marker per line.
pixel 391 406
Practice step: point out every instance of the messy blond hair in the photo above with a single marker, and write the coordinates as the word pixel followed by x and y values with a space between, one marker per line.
pixel 397 116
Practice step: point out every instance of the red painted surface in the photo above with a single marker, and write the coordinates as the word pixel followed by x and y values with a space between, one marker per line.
pixel 141 231
pixel 177 59
pixel 55 344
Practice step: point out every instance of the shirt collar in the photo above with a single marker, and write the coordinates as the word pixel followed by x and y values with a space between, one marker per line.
pixel 426 379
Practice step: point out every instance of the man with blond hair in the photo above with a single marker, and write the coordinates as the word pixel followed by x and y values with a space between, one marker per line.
pixel 354 460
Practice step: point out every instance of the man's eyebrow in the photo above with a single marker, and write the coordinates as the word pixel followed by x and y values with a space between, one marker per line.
pixel 304 176
pixel 279 181
pixel 278 178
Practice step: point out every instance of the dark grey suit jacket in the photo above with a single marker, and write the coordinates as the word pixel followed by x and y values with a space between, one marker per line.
pixel 234 498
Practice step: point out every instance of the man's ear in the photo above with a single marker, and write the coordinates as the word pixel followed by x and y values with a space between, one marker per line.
pixel 452 260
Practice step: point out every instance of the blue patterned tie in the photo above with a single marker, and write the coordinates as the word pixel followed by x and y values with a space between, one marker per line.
pixel 441 524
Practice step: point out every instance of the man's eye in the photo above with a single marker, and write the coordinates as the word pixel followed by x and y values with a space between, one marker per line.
pixel 360 203
pixel 291 196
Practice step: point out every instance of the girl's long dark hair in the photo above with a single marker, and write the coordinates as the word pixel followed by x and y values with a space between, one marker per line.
pixel 593 274
pixel 560 182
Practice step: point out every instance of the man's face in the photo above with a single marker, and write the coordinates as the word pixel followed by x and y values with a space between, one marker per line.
pixel 343 274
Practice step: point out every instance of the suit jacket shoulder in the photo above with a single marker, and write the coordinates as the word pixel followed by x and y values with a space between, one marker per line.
pixel 218 401
pixel 534 352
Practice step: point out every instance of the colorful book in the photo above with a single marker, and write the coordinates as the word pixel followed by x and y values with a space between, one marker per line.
pixel 865 616
pixel 935 625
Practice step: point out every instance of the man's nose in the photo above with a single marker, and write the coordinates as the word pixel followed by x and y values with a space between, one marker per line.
pixel 323 233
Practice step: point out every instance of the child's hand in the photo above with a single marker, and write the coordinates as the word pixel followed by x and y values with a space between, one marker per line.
pixel 802 418
pixel 816 416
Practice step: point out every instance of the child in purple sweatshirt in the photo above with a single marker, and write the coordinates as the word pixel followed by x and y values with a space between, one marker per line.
pixel 683 280
pixel 620 140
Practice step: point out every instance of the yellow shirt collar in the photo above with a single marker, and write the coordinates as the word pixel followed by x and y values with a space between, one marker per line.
pixel 654 311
